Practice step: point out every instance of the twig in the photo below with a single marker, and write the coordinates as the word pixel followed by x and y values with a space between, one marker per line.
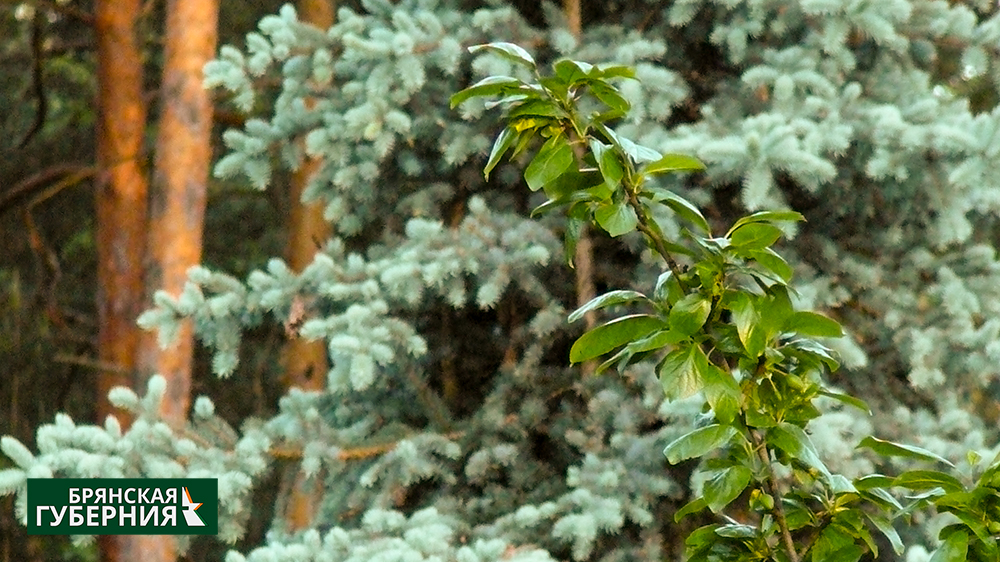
pixel 37 79
pixel 657 242
pixel 771 487
pixel 349 454
pixel 91 363
pixel 76 173
pixel 434 405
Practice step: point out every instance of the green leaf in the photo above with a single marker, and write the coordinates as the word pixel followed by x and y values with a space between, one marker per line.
pixel 616 218
pixel 721 391
pixel 849 400
pixel 813 324
pixel 607 161
pixel 684 208
pixel 927 480
pixel 618 332
pixel 606 300
pixel 500 146
pixel 609 95
pixel 836 542
pixel 509 100
pixel 755 236
pixel 701 539
pixel 766 216
pixel 872 481
pixel 572 72
pixel 771 261
pixel 973 520
pixel 775 310
pixel 680 372
pixel 576 221
pixel 509 51
pixel 737 531
pixel 690 313
pixel 884 525
pixel 794 441
pixel 882 498
pixel 549 206
pixel 726 486
pixel 490 86
pixel 954 549
pixel 568 187
pixel 638 152
pixel 668 289
pixel 674 163
pixel 537 107
pixel 699 442
pixel 552 160
pixel 556 88
pixel 746 319
pixel 811 349
pixel 656 340
pixel 693 506
pixel 890 449
pixel 849 553
pixel 840 485
pixel 613 71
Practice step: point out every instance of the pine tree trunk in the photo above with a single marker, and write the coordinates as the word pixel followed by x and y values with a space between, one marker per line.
pixel 120 205
pixel 180 176
pixel 305 362
pixel 121 193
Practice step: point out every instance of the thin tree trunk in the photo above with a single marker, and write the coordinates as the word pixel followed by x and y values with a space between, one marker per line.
pixel 305 362
pixel 120 206
pixel 180 177
pixel 121 193
pixel 583 259
pixel 574 17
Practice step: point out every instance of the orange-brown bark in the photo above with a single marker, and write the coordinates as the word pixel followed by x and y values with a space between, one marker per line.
pixel 574 17
pixel 305 362
pixel 173 229
pixel 120 207
pixel 179 188
pixel 121 193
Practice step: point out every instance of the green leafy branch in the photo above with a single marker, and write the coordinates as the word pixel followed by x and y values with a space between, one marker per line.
pixel 721 324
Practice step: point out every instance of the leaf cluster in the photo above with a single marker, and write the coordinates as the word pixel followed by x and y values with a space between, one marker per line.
pixel 721 323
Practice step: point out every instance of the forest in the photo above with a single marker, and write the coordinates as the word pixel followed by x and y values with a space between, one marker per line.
pixel 467 281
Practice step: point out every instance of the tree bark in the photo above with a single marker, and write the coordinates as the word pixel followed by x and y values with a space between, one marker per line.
pixel 173 229
pixel 120 206
pixel 121 193
pixel 305 363
pixel 179 187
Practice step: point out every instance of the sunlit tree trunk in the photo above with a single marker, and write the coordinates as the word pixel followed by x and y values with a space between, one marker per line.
pixel 120 206
pixel 121 193
pixel 180 177
pixel 305 362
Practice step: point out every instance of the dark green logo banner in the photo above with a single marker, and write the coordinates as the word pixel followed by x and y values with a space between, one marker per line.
pixel 123 506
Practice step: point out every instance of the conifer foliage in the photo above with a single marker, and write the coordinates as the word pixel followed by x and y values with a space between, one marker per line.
pixel 453 426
